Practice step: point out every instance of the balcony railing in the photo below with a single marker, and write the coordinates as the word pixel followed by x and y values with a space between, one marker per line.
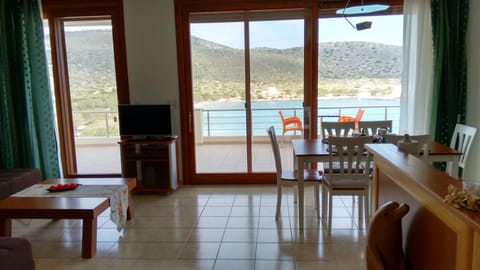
pixel 228 122
pixel 231 122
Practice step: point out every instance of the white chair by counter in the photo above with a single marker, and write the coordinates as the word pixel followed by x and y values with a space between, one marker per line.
pixel 462 139
pixel 289 177
pixel 424 142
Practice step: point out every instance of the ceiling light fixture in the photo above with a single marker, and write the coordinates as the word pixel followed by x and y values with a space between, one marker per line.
pixel 360 10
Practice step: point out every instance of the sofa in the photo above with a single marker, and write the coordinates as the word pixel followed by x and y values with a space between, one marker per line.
pixel 16 253
pixel 14 180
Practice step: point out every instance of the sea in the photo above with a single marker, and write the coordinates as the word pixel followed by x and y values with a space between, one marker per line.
pixel 228 118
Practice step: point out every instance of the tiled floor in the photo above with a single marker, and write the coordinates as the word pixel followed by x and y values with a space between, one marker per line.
pixel 206 227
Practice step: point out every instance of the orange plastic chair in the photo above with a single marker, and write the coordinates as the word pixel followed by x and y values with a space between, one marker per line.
pixel 356 119
pixel 290 123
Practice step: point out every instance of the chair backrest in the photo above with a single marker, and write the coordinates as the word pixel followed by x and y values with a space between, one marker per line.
pixel 276 150
pixel 372 127
pixel 337 129
pixel 359 115
pixel 424 142
pixel 462 139
pixel 281 116
pixel 349 155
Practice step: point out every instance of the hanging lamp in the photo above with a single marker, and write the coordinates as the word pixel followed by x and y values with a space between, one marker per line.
pixel 361 10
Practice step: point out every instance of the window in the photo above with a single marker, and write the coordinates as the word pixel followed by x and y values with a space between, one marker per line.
pixel 90 80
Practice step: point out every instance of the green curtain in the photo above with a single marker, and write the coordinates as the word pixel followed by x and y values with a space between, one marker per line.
pixel 27 127
pixel 449 26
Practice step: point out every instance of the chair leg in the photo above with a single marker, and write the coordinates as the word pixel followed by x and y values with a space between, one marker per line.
pixel 367 210
pixel 295 193
pixel 324 201
pixel 330 208
pixel 360 210
pixel 279 201
pixel 317 201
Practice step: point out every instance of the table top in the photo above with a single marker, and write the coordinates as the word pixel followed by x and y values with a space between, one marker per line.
pixel 315 147
pixel 47 206
pixel 130 182
pixel 425 181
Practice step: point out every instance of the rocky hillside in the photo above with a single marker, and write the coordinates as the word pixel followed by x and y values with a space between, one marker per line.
pixel 336 60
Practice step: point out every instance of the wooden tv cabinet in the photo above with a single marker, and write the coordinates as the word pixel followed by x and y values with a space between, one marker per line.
pixel 152 162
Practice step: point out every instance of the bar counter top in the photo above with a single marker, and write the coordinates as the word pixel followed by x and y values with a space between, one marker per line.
pixel 436 235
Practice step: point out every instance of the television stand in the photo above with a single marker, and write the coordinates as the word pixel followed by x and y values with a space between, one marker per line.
pixel 152 161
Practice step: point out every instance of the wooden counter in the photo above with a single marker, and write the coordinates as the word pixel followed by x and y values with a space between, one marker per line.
pixel 435 235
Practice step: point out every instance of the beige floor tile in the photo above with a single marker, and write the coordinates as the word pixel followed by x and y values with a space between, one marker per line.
pixel 275 251
pixel 199 251
pixel 242 222
pixel 212 222
pixel 234 265
pixel 237 251
pixel 216 211
pixel 206 227
pixel 314 252
pixel 240 235
pixel 274 265
pixel 206 235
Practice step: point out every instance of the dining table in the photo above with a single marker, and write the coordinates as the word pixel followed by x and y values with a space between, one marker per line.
pixel 316 151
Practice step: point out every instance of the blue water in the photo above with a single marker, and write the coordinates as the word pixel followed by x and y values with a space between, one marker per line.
pixel 228 118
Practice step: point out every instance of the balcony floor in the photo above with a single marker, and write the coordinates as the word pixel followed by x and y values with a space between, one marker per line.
pixel 211 158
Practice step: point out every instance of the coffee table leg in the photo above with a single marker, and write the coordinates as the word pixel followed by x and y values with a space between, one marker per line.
pixel 89 238
pixel 130 208
pixel 5 227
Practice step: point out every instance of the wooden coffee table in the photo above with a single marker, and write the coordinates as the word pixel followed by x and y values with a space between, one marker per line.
pixel 86 209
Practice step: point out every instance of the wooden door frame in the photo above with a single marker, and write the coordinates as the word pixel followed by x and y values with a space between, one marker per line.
pixel 182 11
pixel 56 11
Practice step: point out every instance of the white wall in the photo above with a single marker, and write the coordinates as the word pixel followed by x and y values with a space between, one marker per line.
pixel 152 54
pixel 473 86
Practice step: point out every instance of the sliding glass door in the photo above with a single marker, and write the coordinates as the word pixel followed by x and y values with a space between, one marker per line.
pixel 246 67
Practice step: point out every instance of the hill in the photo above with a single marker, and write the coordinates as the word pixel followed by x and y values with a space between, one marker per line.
pixel 218 71
pixel 351 60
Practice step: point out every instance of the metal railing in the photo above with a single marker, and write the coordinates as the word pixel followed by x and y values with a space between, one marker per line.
pixel 230 122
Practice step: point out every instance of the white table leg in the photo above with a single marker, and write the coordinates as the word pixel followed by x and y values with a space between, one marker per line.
pixel 452 166
pixel 301 165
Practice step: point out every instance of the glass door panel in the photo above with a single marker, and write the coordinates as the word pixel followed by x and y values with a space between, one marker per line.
pixel 360 69
pixel 218 86
pixel 277 74
pixel 93 95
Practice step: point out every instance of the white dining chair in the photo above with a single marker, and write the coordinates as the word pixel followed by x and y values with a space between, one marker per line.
pixel 462 139
pixel 371 127
pixel 337 129
pixel 289 177
pixel 352 179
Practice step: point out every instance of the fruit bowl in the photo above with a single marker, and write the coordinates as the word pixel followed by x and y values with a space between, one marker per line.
pixel 62 187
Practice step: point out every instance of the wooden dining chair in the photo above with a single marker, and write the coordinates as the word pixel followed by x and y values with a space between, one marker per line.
pixel 289 177
pixel 351 179
pixel 462 140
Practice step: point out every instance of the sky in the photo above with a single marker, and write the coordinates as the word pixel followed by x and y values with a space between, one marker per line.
pixel 287 34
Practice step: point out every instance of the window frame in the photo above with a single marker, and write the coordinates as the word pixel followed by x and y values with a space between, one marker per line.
pixel 57 11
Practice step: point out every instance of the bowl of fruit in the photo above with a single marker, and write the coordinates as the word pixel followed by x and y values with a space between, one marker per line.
pixel 63 187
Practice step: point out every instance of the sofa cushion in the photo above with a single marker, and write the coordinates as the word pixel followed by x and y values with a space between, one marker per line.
pixel 17 179
pixel 16 254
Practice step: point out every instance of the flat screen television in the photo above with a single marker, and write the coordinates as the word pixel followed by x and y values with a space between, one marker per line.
pixel 148 121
